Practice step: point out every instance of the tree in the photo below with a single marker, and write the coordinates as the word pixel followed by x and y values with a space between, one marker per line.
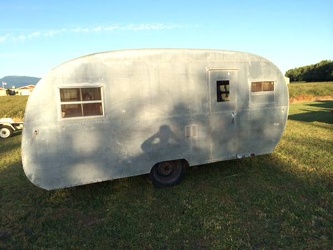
pixel 320 72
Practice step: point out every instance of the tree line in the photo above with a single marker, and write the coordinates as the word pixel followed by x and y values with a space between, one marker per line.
pixel 319 72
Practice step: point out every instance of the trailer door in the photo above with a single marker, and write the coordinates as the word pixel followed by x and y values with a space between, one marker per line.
pixel 223 103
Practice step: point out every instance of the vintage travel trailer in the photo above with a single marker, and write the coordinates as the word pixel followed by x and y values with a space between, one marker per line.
pixel 124 113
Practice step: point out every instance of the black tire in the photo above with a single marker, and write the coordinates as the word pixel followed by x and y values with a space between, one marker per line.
pixel 168 173
pixel 6 132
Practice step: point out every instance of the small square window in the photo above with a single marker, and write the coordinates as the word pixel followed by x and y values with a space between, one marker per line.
pixel 69 95
pixel 222 91
pixel 90 109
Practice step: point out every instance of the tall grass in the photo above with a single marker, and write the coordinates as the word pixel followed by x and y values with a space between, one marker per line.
pixel 12 106
pixel 310 90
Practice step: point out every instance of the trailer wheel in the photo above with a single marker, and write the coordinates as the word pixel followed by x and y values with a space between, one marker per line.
pixel 5 132
pixel 167 173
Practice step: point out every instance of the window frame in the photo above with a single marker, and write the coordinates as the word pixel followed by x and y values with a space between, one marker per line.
pixel 81 103
pixel 262 90
pixel 260 95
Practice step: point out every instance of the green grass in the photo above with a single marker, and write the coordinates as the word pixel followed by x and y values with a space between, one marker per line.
pixel 283 200
pixel 309 90
pixel 12 106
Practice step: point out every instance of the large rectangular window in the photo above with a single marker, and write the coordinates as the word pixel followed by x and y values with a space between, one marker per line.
pixel 78 102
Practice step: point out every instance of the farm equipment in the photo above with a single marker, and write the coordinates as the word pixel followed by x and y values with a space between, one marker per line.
pixel 8 126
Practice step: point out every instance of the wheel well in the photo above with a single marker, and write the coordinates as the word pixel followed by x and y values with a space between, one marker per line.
pixel 7 126
pixel 183 161
pixel 168 173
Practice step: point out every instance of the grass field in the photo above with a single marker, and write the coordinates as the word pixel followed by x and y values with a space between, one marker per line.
pixel 12 106
pixel 283 200
pixel 310 91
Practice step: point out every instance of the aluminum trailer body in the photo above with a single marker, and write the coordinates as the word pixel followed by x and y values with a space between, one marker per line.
pixel 117 114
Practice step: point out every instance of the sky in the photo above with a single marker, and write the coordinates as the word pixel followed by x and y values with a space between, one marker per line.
pixel 38 35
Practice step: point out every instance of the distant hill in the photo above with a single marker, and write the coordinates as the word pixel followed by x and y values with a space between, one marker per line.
pixel 18 81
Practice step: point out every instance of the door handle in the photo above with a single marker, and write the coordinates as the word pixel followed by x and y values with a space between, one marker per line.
pixel 233 115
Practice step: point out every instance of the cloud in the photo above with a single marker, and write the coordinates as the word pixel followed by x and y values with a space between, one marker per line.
pixel 5 37
pixel 88 30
